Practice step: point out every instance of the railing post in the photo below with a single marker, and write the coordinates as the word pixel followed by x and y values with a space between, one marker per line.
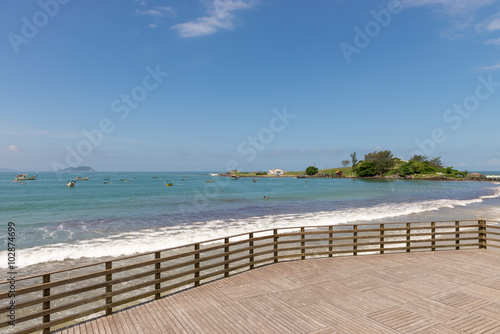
pixel 381 238
pixel 482 234
pixel 355 240
pixel 275 232
pixel 330 241
pixel 250 244
pixel 302 243
pixel 457 235
pixel 408 237
pixel 109 288
pixel 226 258
pixel 46 305
pixel 158 274
pixel 197 264
pixel 433 236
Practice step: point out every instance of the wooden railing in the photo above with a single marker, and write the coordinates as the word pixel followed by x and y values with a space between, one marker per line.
pixel 53 300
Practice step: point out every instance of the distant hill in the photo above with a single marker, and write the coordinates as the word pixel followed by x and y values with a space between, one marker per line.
pixel 78 169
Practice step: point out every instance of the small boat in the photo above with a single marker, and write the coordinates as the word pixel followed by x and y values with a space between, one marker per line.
pixel 105 182
pixel 209 181
pixel 123 180
pixel 169 184
pixel 155 177
pixel 82 178
pixel 25 177
pixel 256 179
pixel 70 184
pixel 234 177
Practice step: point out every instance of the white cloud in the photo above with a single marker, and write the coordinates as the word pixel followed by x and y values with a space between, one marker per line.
pixel 220 17
pixel 492 24
pixel 493 41
pixel 491 68
pixel 153 26
pixel 450 7
pixel 461 14
pixel 157 11
pixel 9 148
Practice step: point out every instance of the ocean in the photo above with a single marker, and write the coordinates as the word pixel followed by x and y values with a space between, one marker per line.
pixel 115 214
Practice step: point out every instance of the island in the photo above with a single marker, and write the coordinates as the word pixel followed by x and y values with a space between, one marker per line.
pixel 78 169
pixel 378 164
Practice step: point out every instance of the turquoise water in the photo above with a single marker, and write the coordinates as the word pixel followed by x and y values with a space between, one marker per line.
pixel 94 219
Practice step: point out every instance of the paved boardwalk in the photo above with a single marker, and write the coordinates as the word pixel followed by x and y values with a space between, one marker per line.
pixel 431 292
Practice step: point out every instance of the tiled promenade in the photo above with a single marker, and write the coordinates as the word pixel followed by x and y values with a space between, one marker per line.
pixel 427 292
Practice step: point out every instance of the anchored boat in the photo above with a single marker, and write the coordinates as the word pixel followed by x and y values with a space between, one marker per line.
pixel 25 177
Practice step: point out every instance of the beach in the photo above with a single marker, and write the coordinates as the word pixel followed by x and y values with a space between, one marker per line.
pixel 136 212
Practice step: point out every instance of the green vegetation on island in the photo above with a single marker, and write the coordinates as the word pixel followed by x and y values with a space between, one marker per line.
pixel 382 164
pixel 78 169
pixel 379 164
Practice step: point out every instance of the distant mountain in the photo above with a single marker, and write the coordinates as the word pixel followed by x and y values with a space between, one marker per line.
pixel 6 170
pixel 78 169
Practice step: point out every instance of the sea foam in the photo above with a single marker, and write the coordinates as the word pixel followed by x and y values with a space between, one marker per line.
pixel 147 240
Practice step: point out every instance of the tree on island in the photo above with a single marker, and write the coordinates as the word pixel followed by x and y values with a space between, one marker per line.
pixel 366 169
pixel 345 163
pixel 312 170
pixel 420 164
pixel 418 157
pixel 354 159
pixel 382 161
pixel 434 162
pixel 406 170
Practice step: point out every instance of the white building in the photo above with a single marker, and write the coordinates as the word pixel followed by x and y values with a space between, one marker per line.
pixel 276 172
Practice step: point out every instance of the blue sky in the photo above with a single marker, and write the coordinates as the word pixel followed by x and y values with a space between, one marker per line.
pixel 211 84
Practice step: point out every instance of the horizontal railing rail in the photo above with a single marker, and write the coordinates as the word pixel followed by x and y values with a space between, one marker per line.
pixel 60 298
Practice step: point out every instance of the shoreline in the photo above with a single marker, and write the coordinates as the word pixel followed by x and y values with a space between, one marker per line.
pixel 438 178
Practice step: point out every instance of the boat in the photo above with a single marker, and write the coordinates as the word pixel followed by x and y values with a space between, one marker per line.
pixel 169 184
pixel 70 184
pixel 82 178
pixel 234 177
pixel 209 181
pixel 25 177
